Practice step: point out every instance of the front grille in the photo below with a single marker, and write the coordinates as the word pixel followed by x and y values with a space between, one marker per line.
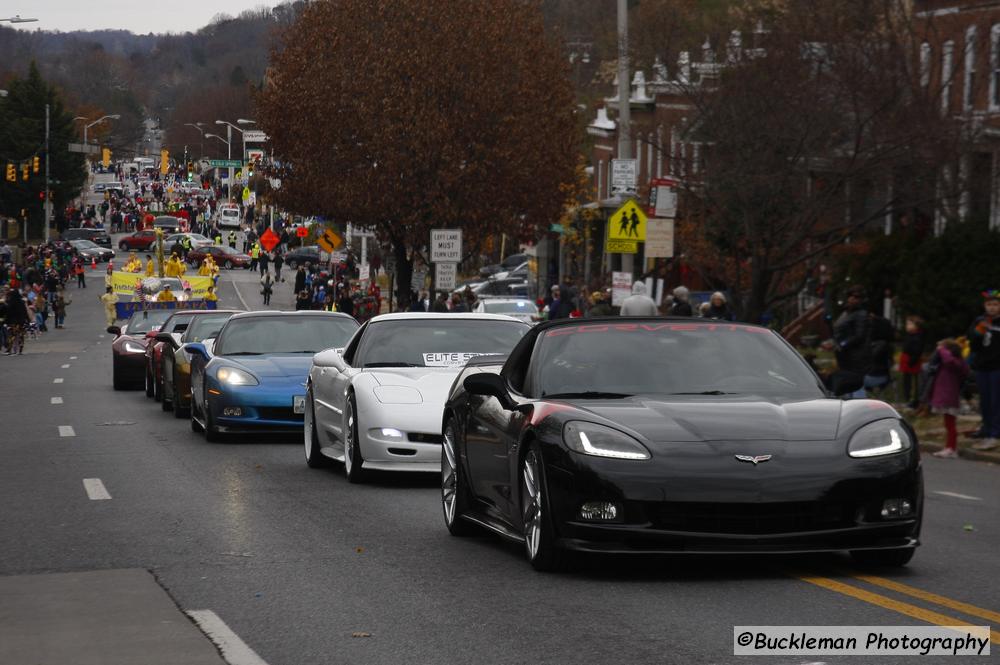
pixel 278 413
pixel 417 437
pixel 751 518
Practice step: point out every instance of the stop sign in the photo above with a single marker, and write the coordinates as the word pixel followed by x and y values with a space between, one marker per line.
pixel 302 232
pixel 269 239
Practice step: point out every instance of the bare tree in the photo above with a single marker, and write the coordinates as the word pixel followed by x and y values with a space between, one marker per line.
pixel 409 115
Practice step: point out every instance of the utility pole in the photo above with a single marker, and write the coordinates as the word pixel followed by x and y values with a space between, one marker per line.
pixel 48 199
pixel 624 111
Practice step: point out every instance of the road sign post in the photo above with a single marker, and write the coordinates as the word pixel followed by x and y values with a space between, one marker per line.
pixel 446 246
pixel 623 177
pixel 445 276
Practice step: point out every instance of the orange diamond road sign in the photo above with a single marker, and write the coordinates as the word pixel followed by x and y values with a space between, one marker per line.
pixel 302 232
pixel 269 240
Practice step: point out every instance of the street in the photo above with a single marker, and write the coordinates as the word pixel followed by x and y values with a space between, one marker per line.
pixel 305 568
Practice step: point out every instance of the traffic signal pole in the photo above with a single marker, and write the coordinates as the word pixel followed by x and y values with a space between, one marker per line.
pixel 48 199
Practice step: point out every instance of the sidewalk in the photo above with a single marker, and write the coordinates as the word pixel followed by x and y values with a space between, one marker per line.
pixel 105 617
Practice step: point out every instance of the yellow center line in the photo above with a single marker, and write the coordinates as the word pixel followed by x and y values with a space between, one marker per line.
pixel 906 609
pixel 943 601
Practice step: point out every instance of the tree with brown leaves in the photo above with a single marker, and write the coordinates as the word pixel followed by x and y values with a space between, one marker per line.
pixel 410 115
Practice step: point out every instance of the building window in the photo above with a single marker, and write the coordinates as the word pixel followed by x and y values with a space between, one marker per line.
pixel 995 68
pixel 969 90
pixel 947 71
pixel 925 64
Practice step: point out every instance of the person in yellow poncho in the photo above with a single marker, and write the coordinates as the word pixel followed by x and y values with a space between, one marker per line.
pixel 210 294
pixel 208 267
pixel 166 295
pixel 150 267
pixel 109 299
pixel 133 264
pixel 174 267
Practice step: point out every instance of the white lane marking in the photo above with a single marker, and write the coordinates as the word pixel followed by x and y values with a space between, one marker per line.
pixel 66 366
pixel 57 380
pixel 236 287
pixel 56 400
pixel 234 650
pixel 66 430
pixel 72 357
pixel 95 489
pixel 956 495
pixel 100 337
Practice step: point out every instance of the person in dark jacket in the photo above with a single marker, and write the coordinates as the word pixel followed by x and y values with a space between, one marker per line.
pixel 851 337
pixel 984 342
pixel 682 305
pixel 17 319
pixel 718 308
pixel 303 300
pixel 345 303
pixel 278 262
pixel 300 279
pixel 598 305
pixel 440 304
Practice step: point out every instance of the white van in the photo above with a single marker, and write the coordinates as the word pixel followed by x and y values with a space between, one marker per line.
pixel 228 215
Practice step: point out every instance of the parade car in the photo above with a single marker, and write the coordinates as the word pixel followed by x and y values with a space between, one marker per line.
pixel 378 404
pixel 674 436
pixel 152 286
pixel 169 333
pixel 175 361
pixel 91 251
pixel 254 377
pixel 128 350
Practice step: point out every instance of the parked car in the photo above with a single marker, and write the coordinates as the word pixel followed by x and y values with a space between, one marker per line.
pixel 302 255
pixel 96 236
pixel 228 216
pixel 140 240
pixel 223 255
pixel 197 240
pixel 92 251
pixel 509 263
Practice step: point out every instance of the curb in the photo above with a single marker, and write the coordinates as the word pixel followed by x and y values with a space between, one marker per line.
pixel 965 453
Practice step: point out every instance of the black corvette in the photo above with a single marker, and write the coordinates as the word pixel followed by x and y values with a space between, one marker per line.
pixel 674 436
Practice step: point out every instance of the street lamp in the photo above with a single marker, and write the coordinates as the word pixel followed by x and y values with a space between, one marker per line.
pixel 229 136
pixel 114 116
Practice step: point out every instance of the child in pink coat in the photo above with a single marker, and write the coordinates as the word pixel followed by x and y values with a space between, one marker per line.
pixel 946 392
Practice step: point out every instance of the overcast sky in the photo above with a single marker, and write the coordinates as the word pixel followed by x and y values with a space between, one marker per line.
pixel 139 16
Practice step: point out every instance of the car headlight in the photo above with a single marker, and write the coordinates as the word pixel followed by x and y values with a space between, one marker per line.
pixel 600 441
pixel 882 437
pixel 131 347
pixel 235 377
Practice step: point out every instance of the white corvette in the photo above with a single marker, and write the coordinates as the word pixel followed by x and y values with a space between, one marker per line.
pixel 377 403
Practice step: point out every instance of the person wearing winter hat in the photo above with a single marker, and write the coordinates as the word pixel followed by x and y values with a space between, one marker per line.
pixel 946 392
pixel 984 340
pixel 639 304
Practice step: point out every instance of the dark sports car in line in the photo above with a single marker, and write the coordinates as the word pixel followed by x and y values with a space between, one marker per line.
pixel 128 350
pixel 176 361
pixel 169 333
pixel 672 436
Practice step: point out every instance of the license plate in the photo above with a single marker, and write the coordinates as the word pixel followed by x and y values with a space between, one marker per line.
pixel 299 404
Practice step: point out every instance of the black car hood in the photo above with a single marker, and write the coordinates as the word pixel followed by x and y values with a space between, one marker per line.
pixel 722 417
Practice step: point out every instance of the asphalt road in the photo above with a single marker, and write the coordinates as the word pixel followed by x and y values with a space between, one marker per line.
pixel 307 569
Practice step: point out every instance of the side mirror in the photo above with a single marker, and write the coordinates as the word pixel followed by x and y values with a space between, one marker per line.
pixel 844 383
pixel 330 358
pixel 197 349
pixel 490 385
pixel 115 330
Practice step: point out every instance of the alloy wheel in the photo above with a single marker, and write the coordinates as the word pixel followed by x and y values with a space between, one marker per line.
pixel 449 477
pixel 532 505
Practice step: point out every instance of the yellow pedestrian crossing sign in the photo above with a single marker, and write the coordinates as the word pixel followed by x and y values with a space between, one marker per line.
pixel 628 223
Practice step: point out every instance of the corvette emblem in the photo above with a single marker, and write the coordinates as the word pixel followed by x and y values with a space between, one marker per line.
pixel 753 459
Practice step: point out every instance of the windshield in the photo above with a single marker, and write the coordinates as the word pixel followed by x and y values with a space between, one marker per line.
pixel 435 342
pixel 669 358
pixel 204 326
pixel 83 244
pixel 510 307
pixel 284 334
pixel 141 323
pixel 177 323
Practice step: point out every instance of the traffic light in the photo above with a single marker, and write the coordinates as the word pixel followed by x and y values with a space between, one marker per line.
pixel 25 167
pixel 190 171
pixel 105 157
pixel 164 162
pixel 41 196
pixel 11 173
pixel 35 164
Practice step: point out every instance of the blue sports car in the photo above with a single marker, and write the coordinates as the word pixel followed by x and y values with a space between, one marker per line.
pixel 253 377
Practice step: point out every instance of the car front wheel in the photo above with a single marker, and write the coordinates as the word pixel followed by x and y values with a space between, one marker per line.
pixel 539 535
pixel 123 246
pixel 314 458
pixel 453 491
pixel 228 265
pixel 352 447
